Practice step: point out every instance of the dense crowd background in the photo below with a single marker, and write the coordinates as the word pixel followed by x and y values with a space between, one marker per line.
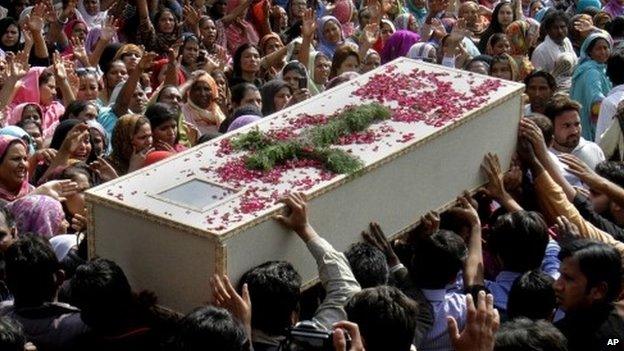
pixel 93 89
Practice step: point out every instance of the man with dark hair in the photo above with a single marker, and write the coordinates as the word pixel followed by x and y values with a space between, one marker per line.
pixel 532 296
pixel 8 230
pixel 210 328
pixel 274 287
pixel 524 334
pixel 608 106
pixel 12 336
pixel 107 305
pixel 368 264
pixel 564 114
pixel 555 43
pixel 540 87
pixel 590 282
pixel 34 277
pixel 436 261
pixel 275 290
pixel 386 317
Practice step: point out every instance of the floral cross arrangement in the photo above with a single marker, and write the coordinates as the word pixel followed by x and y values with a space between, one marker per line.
pixel 314 143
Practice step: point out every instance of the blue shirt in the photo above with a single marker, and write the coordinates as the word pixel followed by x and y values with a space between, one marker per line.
pixel 444 304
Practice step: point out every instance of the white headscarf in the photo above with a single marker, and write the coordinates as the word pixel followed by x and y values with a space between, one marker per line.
pixel 92 21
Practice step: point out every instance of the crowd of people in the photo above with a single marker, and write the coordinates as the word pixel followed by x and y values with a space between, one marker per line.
pixel 91 90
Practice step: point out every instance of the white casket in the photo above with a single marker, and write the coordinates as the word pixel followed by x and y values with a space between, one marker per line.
pixel 172 225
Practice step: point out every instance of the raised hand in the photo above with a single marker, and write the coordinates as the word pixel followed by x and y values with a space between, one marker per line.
pixel 224 295
pixel 377 238
pixel 532 133
pixel 565 229
pixel 308 26
pixel 103 169
pixel 58 189
pixel 137 159
pixel 59 66
pixel 79 222
pixel 371 33
pixel 191 16
pixel 481 325
pixel 45 155
pixel 495 187
pixel 147 61
pixel 339 340
pixel 75 136
pixel 109 29
pixel 466 209
pixel 35 20
pixel 15 70
pixel 78 47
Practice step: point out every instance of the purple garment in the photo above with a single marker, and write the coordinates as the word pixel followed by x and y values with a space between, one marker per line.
pixel 242 121
pixel 398 45
pixel 614 8
pixel 37 214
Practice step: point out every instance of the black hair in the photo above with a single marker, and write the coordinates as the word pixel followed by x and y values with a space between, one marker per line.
pixel 532 296
pixel 45 77
pixel 559 104
pixel 552 17
pixel 209 328
pixel 368 264
pixel 101 290
pixel 550 80
pixel 31 266
pixel 615 65
pixel 11 335
pixel 523 334
pixel 494 27
pixel 386 318
pixel 612 171
pixel 275 290
pixel 188 38
pixel 238 54
pixel 598 262
pixel 268 92
pixel 447 250
pixel 545 124
pixel 240 90
pixel 73 109
pixel 81 168
pixel 162 12
pixel 616 27
pixel 160 113
pixel 207 137
pixel 8 218
pixel 519 239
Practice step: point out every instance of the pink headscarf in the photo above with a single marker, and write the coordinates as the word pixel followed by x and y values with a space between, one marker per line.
pixel 37 214
pixel 16 114
pixel 5 142
pixel 28 91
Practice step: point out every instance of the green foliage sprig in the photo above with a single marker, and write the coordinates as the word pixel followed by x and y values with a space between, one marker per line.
pixel 314 143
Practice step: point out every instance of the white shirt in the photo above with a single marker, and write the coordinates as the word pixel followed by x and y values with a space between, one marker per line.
pixel 588 151
pixel 608 108
pixel 546 53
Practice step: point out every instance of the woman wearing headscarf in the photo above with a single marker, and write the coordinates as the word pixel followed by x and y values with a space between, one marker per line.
pixel 201 109
pixel 22 134
pixel 398 45
pixel 615 8
pixel 343 11
pixel 521 41
pixel 91 13
pixel 406 21
pixel 319 68
pixel 40 215
pixel 269 44
pixel 329 33
pixel 243 121
pixel 160 35
pixel 39 87
pixel 590 83
pixel 418 8
pixel 276 95
pixel 25 111
pixel 131 142
pixel 423 51
pixel 13 168
pixel 295 75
